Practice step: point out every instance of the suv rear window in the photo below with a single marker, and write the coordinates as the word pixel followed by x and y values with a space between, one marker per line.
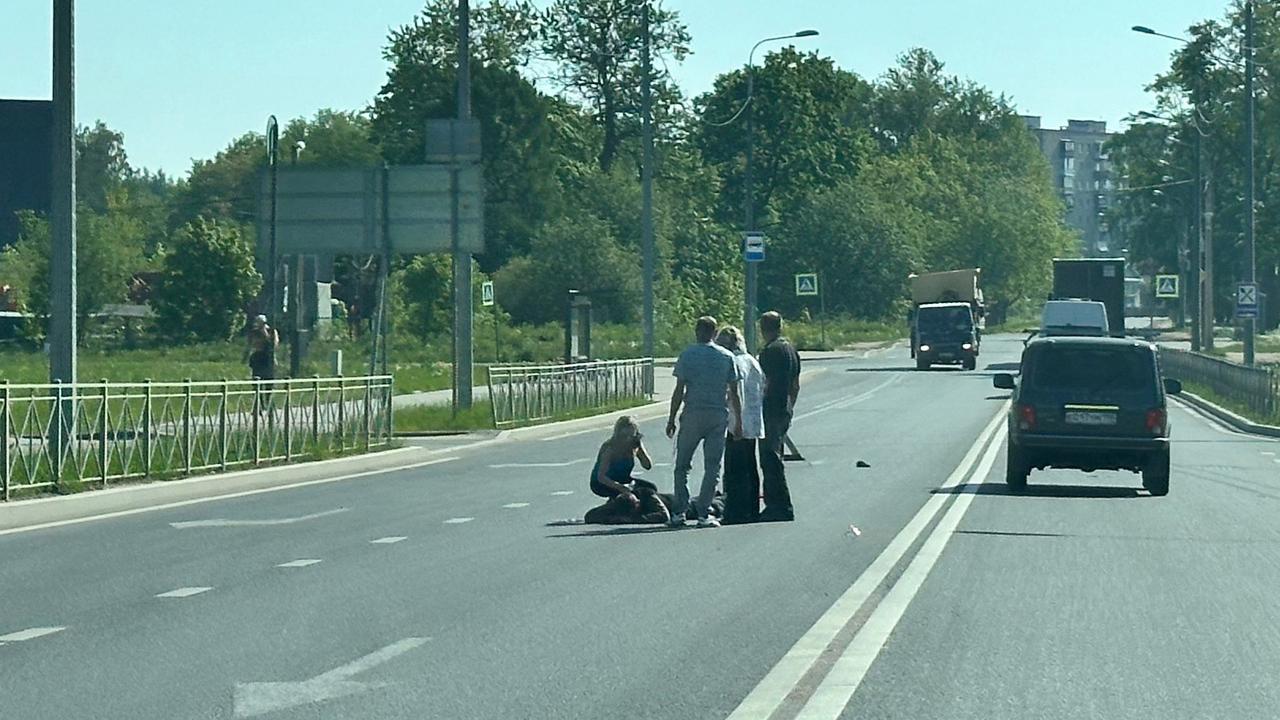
pixel 1092 369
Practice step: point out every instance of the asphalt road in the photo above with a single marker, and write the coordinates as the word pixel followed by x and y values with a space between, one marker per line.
pixel 915 588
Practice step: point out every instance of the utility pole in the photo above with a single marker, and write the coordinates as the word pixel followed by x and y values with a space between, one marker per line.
pixel 1207 313
pixel 273 157
pixel 1196 286
pixel 646 179
pixel 62 260
pixel 462 320
pixel 1250 324
pixel 749 221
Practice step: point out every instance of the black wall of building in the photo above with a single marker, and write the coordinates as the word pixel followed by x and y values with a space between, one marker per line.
pixel 25 162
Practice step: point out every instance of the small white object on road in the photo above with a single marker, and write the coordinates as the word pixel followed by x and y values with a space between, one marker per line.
pixel 388 540
pixel 29 634
pixel 562 492
pixel 184 592
pixel 300 563
pixel 260 698
pixel 458 520
pixel 513 506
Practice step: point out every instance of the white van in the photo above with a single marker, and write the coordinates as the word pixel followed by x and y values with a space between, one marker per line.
pixel 1074 317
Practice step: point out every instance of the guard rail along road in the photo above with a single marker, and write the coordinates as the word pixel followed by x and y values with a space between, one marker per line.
pixel 60 438
pixel 1257 388
pixel 531 393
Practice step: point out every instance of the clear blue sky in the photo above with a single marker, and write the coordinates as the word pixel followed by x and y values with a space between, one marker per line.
pixel 181 78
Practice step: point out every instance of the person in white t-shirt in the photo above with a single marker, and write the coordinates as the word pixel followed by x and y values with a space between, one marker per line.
pixel 741 475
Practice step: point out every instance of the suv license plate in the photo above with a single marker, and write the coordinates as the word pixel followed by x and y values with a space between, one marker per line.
pixel 1077 417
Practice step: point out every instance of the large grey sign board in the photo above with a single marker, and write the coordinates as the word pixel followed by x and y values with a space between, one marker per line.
pixel 325 211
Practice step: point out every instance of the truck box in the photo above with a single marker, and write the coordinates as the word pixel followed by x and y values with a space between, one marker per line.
pixel 1098 279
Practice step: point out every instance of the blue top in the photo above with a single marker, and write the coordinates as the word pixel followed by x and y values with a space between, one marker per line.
pixel 619 469
pixel 707 371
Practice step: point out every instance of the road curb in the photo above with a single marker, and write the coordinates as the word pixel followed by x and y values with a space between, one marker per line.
pixel 1238 422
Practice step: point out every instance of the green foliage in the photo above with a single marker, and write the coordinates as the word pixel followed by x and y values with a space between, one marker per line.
pixel 206 281
pixel 109 249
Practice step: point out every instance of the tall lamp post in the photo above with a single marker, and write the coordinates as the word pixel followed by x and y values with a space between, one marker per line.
pixel 273 155
pixel 1198 236
pixel 749 224
pixel 1250 325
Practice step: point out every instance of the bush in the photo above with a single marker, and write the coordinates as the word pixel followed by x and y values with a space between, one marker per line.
pixel 206 282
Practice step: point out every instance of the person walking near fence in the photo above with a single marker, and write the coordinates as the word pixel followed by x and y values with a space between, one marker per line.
pixel 781 366
pixel 741 476
pixel 261 353
pixel 704 373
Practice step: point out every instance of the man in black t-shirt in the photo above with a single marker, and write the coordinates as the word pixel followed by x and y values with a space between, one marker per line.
pixel 781 366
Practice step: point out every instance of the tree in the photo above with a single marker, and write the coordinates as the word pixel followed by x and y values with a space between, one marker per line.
pixel 809 119
pixel 206 281
pixel 109 250
pixel 101 165
pixel 334 139
pixel 596 45
pixel 519 159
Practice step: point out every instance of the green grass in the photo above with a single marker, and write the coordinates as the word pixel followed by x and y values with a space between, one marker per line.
pixel 1234 406
pixel 440 418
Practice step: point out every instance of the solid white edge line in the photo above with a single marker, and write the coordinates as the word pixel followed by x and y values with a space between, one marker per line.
pixel 29 634
pixel 835 691
pixel 228 496
pixel 782 679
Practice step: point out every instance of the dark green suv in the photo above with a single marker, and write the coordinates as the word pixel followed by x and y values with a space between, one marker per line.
pixel 1089 403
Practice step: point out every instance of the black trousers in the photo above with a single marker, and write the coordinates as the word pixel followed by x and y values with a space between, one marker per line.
pixel 777 497
pixel 741 481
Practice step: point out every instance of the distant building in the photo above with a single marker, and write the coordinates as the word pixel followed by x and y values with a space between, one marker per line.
pixel 1082 174
pixel 25 162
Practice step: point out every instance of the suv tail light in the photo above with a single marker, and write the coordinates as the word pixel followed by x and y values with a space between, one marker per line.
pixel 1157 421
pixel 1026 417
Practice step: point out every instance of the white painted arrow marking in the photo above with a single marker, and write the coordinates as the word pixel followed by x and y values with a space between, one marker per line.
pixel 220 522
pixel 261 698
pixel 29 634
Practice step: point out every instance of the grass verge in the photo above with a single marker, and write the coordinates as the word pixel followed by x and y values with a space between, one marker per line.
pixel 1234 406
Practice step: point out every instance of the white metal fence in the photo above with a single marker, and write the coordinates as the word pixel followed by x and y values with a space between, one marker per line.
pixel 1257 388
pixel 530 393
pixel 59 437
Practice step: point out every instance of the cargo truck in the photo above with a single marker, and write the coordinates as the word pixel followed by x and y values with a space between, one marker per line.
pixel 1097 279
pixel 946 317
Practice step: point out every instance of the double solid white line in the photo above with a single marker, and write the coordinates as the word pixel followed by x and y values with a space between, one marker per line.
pixel 837 688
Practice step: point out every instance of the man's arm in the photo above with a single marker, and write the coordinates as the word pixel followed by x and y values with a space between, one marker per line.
pixel 735 401
pixel 794 391
pixel 677 398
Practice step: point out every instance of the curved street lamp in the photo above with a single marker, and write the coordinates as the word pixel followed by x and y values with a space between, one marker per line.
pixel 750 288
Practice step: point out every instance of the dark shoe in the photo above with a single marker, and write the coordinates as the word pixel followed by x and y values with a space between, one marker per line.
pixel 771 516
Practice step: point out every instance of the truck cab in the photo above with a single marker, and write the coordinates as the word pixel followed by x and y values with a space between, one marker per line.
pixel 945 333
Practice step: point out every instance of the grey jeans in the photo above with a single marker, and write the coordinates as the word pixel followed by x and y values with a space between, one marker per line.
pixel 708 428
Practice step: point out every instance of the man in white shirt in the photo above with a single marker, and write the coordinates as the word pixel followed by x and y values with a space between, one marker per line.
pixel 741 475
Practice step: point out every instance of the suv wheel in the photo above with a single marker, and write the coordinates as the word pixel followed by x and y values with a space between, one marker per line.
pixel 971 364
pixel 921 363
pixel 1155 475
pixel 1016 469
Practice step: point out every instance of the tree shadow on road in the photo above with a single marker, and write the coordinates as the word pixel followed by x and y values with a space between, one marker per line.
pixel 1045 491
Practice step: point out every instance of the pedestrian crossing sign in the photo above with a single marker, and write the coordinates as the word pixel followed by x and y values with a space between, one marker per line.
pixel 1166 286
pixel 486 293
pixel 806 284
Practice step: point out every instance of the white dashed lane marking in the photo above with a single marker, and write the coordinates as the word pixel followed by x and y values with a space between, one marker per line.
pixel 184 592
pixel 388 540
pixel 562 492
pixel 512 506
pixel 299 563
pixel 458 520
pixel 29 634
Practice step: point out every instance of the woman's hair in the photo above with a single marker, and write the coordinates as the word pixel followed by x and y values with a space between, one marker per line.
pixel 729 339
pixel 626 434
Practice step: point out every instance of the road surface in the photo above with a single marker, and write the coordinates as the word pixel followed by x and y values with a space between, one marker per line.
pixel 914 588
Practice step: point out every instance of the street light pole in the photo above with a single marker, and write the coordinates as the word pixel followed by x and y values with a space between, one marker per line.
pixel 1250 324
pixel 646 182
pixel 62 258
pixel 750 288
pixel 273 153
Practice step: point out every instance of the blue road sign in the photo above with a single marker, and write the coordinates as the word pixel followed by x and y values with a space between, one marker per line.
pixel 1246 300
pixel 753 246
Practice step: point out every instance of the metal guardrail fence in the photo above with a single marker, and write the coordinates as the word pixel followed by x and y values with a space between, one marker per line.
pixel 1257 388
pixel 529 393
pixel 62 436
